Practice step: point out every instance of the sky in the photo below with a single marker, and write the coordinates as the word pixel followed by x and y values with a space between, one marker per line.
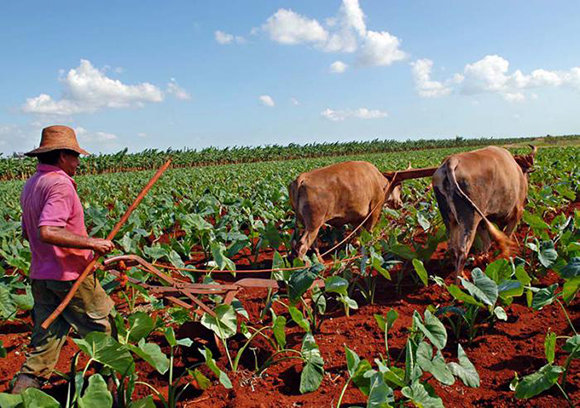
pixel 192 74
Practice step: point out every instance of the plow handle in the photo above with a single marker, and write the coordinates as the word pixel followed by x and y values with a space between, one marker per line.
pixel 89 268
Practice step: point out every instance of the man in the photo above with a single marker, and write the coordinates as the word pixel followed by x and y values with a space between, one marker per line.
pixel 53 224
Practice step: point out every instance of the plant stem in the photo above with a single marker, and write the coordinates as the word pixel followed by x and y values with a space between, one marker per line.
pixel 343 391
pixel 567 317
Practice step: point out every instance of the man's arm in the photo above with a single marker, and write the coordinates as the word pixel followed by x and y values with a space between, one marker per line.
pixel 60 236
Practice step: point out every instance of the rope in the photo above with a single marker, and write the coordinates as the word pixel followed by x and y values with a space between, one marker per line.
pixel 387 190
pixel 295 268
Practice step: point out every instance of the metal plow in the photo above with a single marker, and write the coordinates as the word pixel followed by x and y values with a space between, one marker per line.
pixel 183 293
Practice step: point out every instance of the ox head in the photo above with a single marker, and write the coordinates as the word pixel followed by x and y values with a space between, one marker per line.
pixel 526 161
pixel 393 200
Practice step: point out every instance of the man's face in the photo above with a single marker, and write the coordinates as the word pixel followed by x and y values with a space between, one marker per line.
pixel 69 161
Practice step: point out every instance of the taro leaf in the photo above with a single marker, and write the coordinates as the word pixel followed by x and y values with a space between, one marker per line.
pixel 106 350
pixel 402 251
pixel 522 275
pixel 432 328
pixel 170 336
pixel 435 365
pixel 301 281
pixel 380 394
pixel 510 288
pixel 146 402
pixel 140 325
pixel 394 376
pixel 24 301
pixel 151 352
pixel 573 346
pixel 175 259
pixel 210 362
pixel 33 398
pixel 96 395
pixel 464 297
pixel 349 302
pixel 572 269
pixel 360 379
pixel 547 254
pixel 278 263
pixel 421 271
pixel 239 308
pixel 352 360
pixel 279 330
pixel 298 318
pixel 423 221
pixel 570 289
pixel 272 235
pixel 420 397
pixel 482 288
pixel 544 297
pixel 500 313
pixel 499 270
pixel 156 251
pixel 336 284
pixel 11 400
pixel 465 370
pixel 218 252
pixel 550 346
pixel 386 323
pixel 7 305
pixel 202 382
pixel 538 382
pixel 535 221
pixel 225 322
pixel 313 370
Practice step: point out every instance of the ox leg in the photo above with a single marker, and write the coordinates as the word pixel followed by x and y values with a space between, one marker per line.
pixel 374 218
pixel 466 237
pixel 485 238
pixel 306 242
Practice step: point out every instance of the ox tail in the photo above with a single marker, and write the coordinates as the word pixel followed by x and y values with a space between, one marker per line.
pixel 502 239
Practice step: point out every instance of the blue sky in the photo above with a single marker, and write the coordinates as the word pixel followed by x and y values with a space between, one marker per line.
pixel 151 74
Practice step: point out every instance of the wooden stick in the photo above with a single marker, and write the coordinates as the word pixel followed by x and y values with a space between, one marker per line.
pixel 409 174
pixel 111 235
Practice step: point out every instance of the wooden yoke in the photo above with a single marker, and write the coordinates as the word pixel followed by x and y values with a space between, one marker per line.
pixel 402 175
pixel 111 235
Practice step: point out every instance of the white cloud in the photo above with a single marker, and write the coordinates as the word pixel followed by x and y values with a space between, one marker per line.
pixel 354 16
pixel 224 38
pixel 288 27
pixel 338 67
pixel 294 101
pixel 380 48
pixel 174 89
pixel 97 142
pixel 491 74
pixel 426 87
pixel 345 33
pixel 87 89
pixel 267 100
pixel 360 113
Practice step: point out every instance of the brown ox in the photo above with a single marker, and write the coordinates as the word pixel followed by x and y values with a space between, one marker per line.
pixel 343 193
pixel 483 185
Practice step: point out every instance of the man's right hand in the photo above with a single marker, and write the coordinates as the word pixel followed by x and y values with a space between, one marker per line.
pixel 102 246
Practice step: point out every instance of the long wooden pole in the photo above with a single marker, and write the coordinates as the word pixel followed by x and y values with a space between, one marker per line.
pixel 111 235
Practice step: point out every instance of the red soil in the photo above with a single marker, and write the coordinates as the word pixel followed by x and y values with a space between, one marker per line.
pixel 497 353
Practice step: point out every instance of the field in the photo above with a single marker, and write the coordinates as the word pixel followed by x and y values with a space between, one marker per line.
pixel 389 326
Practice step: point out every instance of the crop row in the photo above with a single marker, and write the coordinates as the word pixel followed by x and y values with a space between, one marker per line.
pixel 22 167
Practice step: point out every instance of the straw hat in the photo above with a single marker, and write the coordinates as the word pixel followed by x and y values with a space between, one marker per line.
pixel 57 138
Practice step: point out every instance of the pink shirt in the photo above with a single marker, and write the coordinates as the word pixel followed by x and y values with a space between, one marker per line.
pixel 50 198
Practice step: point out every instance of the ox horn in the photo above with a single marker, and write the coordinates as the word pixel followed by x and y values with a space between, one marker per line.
pixel 534 150
pixel 409 167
